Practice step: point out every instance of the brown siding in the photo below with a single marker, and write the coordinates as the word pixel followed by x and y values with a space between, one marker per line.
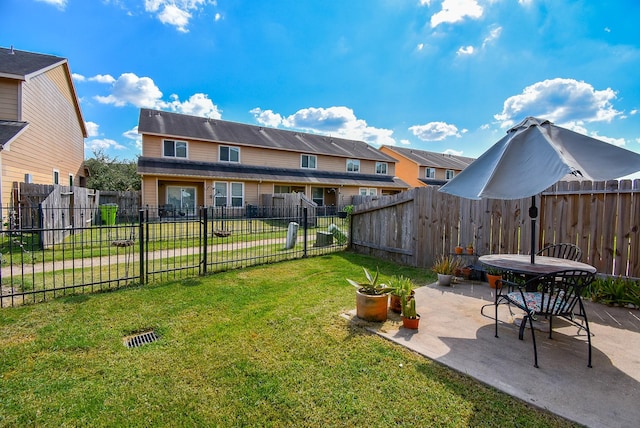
pixel 9 90
pixel 53 140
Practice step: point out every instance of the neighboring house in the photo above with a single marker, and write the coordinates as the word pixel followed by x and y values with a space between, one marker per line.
pixel 190 161
pixel 41 126
pixel 421 168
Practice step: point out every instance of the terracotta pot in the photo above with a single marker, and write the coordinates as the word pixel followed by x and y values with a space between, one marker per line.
pixel 469 250
pixel 458 250
pixel 444 280
pixel 372 307
pixel 491 279
pixel 395 303
pixel 466 272
pixel 411 323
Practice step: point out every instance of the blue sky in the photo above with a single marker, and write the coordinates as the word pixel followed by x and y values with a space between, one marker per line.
pixel 439 75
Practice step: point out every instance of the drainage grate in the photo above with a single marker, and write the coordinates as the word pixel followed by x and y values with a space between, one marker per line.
pixel 140 339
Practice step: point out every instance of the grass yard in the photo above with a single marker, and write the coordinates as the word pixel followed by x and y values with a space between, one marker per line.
pixel 263 346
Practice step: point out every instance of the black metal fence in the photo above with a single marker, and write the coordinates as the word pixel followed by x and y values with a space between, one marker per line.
pixel 112 252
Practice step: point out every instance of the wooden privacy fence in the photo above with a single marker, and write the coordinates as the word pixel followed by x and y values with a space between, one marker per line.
pixel 414 227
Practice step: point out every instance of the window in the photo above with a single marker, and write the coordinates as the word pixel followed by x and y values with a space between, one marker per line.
pixel 70 180
pixel 430 172
pixel 182 198
pixel 381 168
pixel 317 195
pixel 281 189
pixel 220 194
pixel 175 149
pixel 449 174
pixel 368 191
pixel 229 154
pixel 237 194
pixel 56 176
pixel 308 161
pixel 353 165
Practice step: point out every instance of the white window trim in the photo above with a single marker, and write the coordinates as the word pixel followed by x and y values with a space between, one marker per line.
pixel 56 172
pixel 309 156
pixel 368 191
pixel 186 149
pixel 229 147
pixel 449 172
pixel 231 197
pixel 426 172
pixel 355 162
pixel 386 168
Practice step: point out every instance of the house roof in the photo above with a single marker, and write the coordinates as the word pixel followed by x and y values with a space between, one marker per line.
pixel 180 167
pixel 9 130
pixel 176 125
pixel 15 64
pixel 21 65
pixel 433 159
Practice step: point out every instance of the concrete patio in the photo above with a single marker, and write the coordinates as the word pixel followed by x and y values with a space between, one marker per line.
pixel 454 333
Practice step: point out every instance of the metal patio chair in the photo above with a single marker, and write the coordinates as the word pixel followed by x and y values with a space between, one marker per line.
pixel 556 294
pixel 562 251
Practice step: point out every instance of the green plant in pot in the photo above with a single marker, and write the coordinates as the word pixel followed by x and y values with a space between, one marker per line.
pixel 445 266
pixel 400 286
pixel 372 298
pixel 493 276
pixel 410 317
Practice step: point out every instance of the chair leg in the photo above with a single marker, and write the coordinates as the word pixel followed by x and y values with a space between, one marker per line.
pixel 586 323
pixel 535 349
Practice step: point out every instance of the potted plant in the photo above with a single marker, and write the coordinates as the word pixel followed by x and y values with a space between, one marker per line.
pixel 372 299
pixel 470 248
pixel 458 249
pixel 493 276
pixel 400 285
pixel 445 266
pixel 410 318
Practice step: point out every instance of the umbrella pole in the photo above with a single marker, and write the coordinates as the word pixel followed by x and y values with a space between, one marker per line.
pixel 533 213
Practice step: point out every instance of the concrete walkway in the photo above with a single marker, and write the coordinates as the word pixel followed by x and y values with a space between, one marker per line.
pixel 454 333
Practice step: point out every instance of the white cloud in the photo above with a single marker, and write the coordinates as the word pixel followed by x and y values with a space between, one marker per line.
pixel 78 77
pixel 102 144
pixel 143 92
pixel 92 128
pixel 337 121
pixel 102 78
pixel 455 11
pixel 405 142
pixel 132 134
pixel 129 88
pixel 60 4
pixel 425 2
pixel 494 34
pixel 196 105
pixel 453 152
pixel 176 12
pixel 267 117
pixel 434 131
pixel 560 101
pixel 217 17
pixel 465 50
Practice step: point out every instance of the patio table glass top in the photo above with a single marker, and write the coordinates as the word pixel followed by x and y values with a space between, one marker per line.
pixel 521 263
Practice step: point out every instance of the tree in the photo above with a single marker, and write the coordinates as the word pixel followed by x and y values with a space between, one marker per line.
pixel 107 173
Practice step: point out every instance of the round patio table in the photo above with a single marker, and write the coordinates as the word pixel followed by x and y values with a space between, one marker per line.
pixel 521 263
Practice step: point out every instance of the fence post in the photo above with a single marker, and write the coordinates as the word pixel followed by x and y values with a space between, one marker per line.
pixel 204 238
pixel 141 238
pixel 305 227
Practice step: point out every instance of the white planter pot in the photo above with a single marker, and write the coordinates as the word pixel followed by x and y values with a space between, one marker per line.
pixel 444 280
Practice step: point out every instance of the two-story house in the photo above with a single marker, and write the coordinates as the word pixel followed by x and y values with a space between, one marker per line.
pixel 422 168
pixel 42 131
pixel 189 161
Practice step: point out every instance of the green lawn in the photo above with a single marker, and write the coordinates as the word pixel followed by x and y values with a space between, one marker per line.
pixel 263 346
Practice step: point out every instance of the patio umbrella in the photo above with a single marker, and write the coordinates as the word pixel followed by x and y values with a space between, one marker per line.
pixel 534 155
